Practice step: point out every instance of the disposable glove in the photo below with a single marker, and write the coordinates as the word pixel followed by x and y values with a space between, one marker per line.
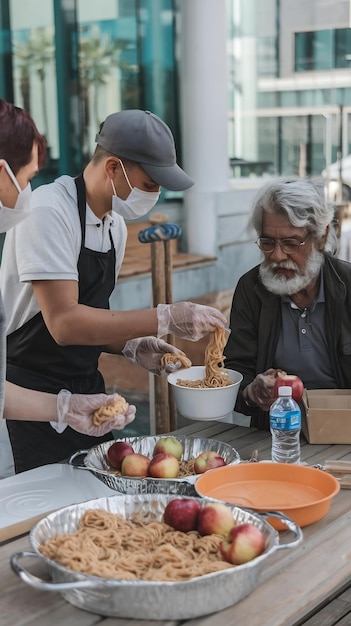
pixel 77 410
pixel 148 352
pixel 188 320
pixel 260 392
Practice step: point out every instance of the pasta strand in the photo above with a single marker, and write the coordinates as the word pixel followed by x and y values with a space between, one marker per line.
pixel 215 374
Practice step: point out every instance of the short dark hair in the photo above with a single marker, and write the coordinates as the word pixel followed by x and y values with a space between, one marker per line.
pixel 100 154
pixel 18 133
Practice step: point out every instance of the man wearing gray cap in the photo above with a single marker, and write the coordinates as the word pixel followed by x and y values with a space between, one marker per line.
pixel 60 268
pixel 144 138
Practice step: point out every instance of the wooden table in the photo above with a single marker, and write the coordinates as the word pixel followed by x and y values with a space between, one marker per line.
pixel 296 586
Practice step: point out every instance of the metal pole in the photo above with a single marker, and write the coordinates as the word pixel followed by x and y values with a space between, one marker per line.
pixel 340 153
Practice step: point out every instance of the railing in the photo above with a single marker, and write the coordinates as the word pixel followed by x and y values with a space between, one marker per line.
pixel 242 168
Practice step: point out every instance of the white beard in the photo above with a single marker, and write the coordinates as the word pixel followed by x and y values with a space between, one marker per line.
pixel 283 286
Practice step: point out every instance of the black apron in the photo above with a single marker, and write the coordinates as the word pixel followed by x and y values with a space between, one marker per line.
pixel 35 361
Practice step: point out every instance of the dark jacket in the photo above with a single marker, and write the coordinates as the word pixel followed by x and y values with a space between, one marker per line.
pixel 255 322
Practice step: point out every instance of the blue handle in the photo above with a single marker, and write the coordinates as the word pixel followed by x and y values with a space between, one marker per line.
pixel 160 232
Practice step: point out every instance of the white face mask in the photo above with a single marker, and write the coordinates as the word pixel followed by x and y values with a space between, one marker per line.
pixel 24 195
pixel 12 176
pixel 138 202
pixel 23 200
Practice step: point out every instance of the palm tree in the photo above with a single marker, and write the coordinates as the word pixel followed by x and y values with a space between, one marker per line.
pixel 98 54
pixel 36 53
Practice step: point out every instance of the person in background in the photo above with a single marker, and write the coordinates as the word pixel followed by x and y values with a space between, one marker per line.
pixel 292 312
pixel 22 154
pixel 60 268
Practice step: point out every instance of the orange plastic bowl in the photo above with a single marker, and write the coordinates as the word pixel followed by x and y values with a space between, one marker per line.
pixel 302 493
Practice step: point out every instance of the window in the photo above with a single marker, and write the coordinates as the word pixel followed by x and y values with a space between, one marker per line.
pixel 343 47
pixel 322 50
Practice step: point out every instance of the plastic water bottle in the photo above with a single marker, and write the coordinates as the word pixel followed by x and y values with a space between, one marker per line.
pixel 285 426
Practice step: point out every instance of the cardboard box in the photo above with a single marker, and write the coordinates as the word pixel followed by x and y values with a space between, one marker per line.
pixel 328 416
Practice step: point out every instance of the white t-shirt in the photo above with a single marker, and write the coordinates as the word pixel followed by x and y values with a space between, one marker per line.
pixel 11 217
pixel 47 245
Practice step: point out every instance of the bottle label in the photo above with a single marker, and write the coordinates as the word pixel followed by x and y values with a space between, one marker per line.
pixel 291 420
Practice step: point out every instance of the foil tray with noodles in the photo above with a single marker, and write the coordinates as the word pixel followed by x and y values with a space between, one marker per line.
pixel 96 461
pixel 149 600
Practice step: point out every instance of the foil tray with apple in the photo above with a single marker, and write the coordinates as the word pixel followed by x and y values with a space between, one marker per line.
pixel 148 599
pixel 96 461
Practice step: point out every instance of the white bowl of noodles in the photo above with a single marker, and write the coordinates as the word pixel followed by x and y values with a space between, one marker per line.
pixel 200 402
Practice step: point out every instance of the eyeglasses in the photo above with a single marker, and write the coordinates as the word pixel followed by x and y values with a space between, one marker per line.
pixel 288 245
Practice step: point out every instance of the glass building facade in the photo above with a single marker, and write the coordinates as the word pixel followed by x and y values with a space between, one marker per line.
pixel 290 86
pixel 72 62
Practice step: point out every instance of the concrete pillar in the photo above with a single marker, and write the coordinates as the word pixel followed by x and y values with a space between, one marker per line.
pixel 204 98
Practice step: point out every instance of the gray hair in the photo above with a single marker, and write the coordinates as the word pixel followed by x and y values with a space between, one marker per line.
pixel 304 204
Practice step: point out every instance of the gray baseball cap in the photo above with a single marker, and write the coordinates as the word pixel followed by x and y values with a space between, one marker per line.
pixel 143 137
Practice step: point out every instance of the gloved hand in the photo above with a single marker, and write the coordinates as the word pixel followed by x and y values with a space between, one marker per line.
pixel 188 320
pixel 260 392
pixel 76 410
pixel 148 352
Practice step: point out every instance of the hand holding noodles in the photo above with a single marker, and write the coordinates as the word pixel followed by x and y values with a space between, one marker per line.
pixel 215 374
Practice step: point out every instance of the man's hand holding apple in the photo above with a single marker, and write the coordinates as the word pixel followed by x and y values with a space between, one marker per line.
pixel 289 380
pixel 261 392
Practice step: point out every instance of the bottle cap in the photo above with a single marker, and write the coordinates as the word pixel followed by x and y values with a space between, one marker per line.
pixel 285 391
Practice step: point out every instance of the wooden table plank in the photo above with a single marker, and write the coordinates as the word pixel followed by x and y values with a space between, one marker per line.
pixel 310 575
pixel 337 611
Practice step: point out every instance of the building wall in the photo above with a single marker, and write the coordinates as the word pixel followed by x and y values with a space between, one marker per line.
pixel 298 15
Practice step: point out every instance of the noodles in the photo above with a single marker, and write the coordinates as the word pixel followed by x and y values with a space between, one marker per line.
pixel 214 360
pixel 215 374
pixel 169 357
pixel 108 545
pixel 107 412
pixel 186 468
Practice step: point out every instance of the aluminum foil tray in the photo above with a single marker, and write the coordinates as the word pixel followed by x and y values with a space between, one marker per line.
pixel 148 600
pixel 96 461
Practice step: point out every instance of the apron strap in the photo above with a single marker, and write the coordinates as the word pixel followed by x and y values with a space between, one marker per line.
pixel 82 207
pixel 81 201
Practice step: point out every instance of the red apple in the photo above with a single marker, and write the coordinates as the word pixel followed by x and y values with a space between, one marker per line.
pixel 208 460
pixel 182 514
pixel 245 542
pixel 215 518
pixel 135 465
pixel 164 466
pixel 289 380
pixel 117 452
pixel 169 445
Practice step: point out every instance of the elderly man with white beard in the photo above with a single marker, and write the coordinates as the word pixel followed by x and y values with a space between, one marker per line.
pixel 292 312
